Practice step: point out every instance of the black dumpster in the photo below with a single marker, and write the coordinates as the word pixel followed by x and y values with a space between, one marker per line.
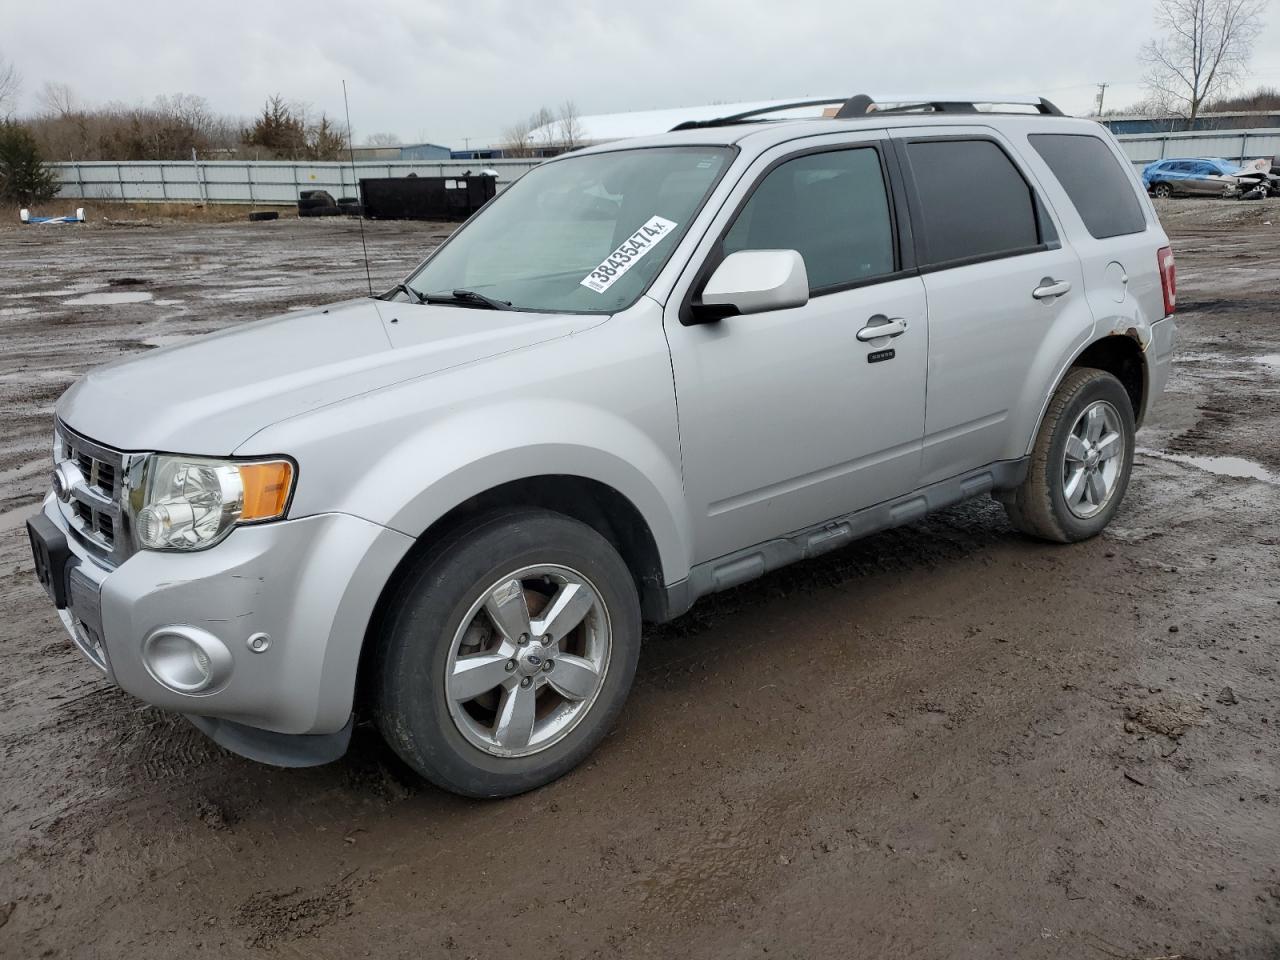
pixel 426 198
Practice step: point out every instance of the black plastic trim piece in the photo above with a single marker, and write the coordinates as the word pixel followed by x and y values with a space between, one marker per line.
pixel 52 557
pixel 276 749
pixel 755 561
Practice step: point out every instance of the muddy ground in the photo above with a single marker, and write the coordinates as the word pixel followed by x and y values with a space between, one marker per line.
pixel 946 741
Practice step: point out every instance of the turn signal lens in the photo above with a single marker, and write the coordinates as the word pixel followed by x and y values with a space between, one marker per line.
pixel 266 489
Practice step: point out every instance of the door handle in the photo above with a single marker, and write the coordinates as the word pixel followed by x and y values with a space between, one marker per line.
pixel 1050 288
pixel 882 326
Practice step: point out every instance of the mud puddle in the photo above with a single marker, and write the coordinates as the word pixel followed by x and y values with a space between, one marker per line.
pixel 1223 466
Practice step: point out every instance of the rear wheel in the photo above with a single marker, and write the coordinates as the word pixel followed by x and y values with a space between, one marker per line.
pixel 1081 461
pixel 1162 191
pixel 508 654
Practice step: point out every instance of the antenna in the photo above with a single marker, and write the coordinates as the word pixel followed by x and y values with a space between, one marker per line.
pixel 351 152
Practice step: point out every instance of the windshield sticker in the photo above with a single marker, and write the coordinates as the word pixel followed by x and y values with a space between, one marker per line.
pixel 621 260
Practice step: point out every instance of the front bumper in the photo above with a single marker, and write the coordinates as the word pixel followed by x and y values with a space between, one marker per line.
pixel 310 585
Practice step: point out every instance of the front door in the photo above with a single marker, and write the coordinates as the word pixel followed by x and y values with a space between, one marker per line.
pixel 788 418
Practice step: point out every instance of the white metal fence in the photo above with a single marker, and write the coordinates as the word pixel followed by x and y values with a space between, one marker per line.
pixel 278 182
pixel 250 181
pixel 1238 145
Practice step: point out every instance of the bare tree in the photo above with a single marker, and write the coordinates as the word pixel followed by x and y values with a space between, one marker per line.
pixel 544 133
pixel 1204 48
pixel 58 99
pixel 382 140
pixel 10 84
pixel 529 137
pixel 569 126
pixel 515 140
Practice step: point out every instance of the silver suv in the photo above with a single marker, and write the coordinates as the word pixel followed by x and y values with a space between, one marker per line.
pixel 647 371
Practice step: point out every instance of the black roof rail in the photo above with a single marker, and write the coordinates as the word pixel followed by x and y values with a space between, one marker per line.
pixel 861 105
pixel 750 116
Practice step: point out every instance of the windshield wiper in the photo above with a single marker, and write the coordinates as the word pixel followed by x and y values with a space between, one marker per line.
pixel 408 291
pixel 470 298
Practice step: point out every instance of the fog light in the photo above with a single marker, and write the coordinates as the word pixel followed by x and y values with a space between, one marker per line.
pixel 186 659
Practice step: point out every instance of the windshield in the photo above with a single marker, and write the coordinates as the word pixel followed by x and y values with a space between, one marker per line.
pixel 580 235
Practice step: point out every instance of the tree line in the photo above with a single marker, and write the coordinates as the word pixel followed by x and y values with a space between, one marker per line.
pixel 172 126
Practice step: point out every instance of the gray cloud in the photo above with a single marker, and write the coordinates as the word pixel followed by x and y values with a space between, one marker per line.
pixel 446 71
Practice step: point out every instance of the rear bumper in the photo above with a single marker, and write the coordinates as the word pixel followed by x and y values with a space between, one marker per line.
pixel 310 585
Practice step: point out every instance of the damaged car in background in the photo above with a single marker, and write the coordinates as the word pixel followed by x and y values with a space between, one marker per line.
pixel 1210 177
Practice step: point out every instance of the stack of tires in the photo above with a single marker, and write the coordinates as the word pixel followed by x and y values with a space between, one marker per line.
pixel 320 203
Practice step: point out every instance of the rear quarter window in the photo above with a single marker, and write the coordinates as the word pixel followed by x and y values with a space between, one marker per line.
pixel 1094 180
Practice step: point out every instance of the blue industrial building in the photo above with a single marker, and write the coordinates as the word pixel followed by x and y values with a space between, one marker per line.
pixel 1241 120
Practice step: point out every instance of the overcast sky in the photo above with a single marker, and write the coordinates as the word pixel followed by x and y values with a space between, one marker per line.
pixel 448 71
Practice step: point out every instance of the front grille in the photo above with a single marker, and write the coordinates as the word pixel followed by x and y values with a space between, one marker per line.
pixel 94 514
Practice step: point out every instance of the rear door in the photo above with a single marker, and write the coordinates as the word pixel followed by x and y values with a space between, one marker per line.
pixel 1114 232
pixel 1005 294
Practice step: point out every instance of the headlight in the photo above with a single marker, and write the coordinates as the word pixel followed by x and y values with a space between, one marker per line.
pixel 190 503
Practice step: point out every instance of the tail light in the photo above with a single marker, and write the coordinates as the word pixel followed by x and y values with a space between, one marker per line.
pixel 1168 279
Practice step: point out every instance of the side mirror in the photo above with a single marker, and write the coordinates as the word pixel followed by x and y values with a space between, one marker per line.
pixel 753 281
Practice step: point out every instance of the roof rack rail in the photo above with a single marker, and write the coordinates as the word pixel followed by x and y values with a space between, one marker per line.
pixel 861 105
pixel 1043 106
pixel 754 116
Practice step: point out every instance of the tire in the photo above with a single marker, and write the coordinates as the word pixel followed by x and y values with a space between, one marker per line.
pixel 261 216
pixel 439 609
pixel 315 198
pixel 1162 191
pixel 1040 507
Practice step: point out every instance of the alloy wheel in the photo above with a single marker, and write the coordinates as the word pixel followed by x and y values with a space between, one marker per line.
pixel 528 660
pixel 1093 459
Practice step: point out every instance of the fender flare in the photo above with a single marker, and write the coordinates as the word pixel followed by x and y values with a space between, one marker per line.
pixel 453 460
pixel 1131 334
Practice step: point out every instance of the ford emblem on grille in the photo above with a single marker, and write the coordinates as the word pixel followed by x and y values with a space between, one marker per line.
pixel 66 476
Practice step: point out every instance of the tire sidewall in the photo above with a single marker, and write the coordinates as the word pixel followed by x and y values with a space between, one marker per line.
pixel 1103 387
pixel 414 711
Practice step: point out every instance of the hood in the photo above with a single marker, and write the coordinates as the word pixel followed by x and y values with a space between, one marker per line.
pixel 209 395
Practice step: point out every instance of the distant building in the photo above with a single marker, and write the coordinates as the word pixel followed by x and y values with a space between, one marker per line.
pixel 409 151
pixel 605 127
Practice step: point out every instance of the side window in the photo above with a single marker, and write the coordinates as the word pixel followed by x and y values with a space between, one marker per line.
pixel 832 207
pixel 1094 180
pixel 974 202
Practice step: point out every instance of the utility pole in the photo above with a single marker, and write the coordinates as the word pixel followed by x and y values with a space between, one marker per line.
pixel 1102 94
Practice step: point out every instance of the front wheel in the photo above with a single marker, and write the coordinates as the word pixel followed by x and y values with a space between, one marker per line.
pixel 508 653
pixel 1081 461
